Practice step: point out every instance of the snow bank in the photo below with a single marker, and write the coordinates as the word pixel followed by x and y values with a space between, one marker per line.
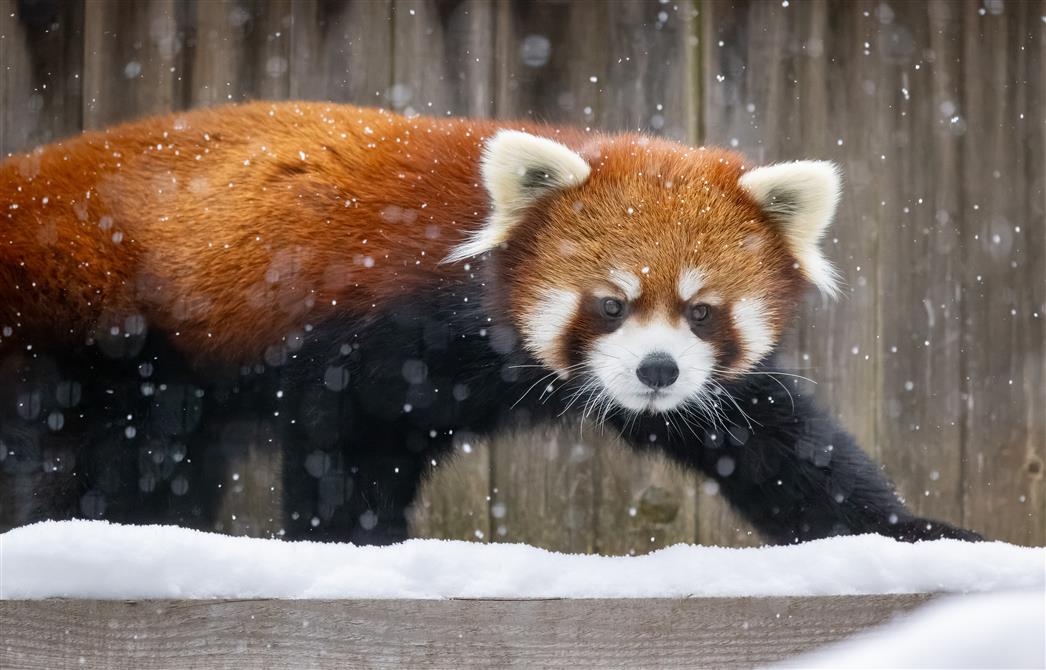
pixel 997 630
pixel 94 559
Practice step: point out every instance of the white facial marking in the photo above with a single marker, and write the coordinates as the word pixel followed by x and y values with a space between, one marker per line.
pixel 615 357
pixel 690 282
pixel 547 321
pixel 753 324
pixel 629 283
pixel 711 298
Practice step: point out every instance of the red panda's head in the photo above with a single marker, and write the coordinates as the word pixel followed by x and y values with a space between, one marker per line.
pixel 647 269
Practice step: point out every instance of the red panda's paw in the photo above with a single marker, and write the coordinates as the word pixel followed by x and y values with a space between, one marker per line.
pixel 918 530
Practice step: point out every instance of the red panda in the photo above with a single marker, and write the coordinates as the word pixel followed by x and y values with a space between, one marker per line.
pixel 356 287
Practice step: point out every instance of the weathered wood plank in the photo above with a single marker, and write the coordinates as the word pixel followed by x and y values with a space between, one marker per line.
pixel 1035 380
pixel 1004 278
pixel 241 51
pixel 454 501
pixel 543 488
pixel 41 58
pixel 546 54
pixel 650 69
pixel 640 633
pixel 342 51
pixel 838 339
pixel 135 62
pixel 442 60
pixel 916 210
pixel 645 501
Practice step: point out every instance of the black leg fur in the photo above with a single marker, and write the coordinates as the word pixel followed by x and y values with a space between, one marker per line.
pixel 789 468
pixel 103 434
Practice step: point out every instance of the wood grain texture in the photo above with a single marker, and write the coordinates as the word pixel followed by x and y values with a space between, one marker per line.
pixel 41 56
pixel 917 313
pixel 547 53
pixel 442 60
pixel 241 51
pixel 646 502
pixel 14 78
pixel 454 500
pixel 1004 270
pixel 543 488
pixel 641 633
pixel 341 51
pixel 135 61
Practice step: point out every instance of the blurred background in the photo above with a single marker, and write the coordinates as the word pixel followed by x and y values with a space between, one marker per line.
pixel 935 357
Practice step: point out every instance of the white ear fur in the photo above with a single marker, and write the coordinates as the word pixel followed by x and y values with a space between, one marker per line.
pixel 517 169
pixel 801 197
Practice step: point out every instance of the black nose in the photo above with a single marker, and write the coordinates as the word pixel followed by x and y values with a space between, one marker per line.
pixel 658 371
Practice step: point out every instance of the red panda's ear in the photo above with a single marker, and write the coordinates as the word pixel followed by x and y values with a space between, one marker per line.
pixel 801 197
pixel 517 169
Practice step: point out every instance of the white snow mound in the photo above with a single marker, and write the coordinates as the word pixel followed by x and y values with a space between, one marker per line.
pixel 986 630
pixel 95 559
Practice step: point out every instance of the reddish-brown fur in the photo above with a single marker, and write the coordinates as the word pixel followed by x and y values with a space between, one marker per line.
pixel 232 227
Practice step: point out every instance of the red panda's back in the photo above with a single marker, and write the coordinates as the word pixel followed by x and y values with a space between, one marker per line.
pixel 230 228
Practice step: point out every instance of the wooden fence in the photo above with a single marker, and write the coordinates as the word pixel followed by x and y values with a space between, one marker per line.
pixel 935 357
pixel 623 633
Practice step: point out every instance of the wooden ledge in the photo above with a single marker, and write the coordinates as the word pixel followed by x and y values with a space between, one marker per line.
pixel 619 633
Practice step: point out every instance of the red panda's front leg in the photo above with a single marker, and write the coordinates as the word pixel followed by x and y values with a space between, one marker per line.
pixel 791 470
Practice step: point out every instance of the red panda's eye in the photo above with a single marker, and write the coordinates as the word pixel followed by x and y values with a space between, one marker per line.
pixel 612 308
pixel 700 312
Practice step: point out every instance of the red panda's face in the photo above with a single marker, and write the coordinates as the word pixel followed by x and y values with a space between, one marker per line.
pixel 648 271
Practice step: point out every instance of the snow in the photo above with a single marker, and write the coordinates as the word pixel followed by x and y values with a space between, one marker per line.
pixel 95 559
pixel 995 630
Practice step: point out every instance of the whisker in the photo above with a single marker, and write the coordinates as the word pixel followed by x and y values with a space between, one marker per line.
pixel 590 384
pixel 783 374
pixel 781 384
pixel 540 379
pixel 748 419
